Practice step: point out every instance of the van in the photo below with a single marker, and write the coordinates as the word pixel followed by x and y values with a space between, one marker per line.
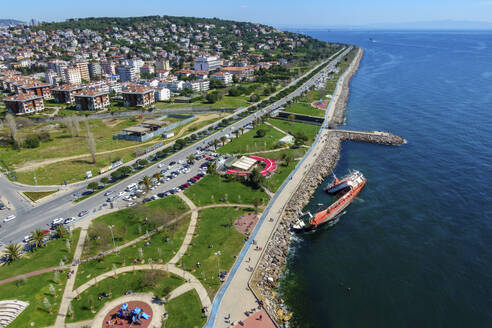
pixel 9 218
pixel 131 187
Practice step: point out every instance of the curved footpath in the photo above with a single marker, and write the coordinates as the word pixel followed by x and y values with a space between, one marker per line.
pixel 235 297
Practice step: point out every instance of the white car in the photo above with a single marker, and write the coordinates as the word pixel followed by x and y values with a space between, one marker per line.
pixel 27 238
pixel 131 204
pixel 69 220
pixel 57 221
pixel 9 218
pixel 121 193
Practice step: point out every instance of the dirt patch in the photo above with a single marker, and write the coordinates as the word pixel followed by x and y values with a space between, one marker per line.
pixel 246 223
pixel 111 122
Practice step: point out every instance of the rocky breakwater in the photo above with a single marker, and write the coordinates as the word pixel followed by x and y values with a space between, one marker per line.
pixel 339 113
pixel 378 137
pixel 268 272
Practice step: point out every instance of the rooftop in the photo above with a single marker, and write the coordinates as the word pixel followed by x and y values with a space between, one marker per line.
pixel 23 97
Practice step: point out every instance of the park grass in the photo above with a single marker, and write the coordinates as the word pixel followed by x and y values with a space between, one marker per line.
pixel 34 290
pixel 131 223
pixel 41 258
pixel 249 142
pixel 185 311
pixel 139 281
pixel 37 195
pixel 71 170
pixel 214 189
pixel 168 249
pixel 225 238
pixel 231 102
pixel 309 130
pixel 277 155
pixel 275 181
pixel 305 109
pixel 165 105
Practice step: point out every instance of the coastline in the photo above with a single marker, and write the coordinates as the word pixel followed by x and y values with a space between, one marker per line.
pixel 267 274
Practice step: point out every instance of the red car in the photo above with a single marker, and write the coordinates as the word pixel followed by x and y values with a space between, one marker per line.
pixel 45 232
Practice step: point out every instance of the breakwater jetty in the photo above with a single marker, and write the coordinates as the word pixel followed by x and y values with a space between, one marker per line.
pixel 319 163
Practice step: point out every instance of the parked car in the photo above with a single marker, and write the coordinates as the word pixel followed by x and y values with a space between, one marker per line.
pixel 9 218
pixel 56 222
pixel 27 238
pixel 69 220
pixel 107 193
pixel 81 214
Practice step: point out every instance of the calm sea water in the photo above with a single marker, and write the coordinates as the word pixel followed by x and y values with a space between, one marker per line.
pixel 415 248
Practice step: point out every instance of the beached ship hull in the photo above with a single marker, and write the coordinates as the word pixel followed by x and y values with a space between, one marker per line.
pixel 356 184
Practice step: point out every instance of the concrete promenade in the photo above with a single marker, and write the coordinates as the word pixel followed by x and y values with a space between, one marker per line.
pixel 238 296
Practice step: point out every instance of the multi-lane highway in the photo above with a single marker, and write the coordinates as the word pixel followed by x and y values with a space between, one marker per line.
pixel 29 217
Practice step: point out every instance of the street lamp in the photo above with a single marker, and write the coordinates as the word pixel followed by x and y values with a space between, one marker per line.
pixel 112 235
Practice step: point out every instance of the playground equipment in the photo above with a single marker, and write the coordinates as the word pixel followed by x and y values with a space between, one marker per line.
pixel 132 316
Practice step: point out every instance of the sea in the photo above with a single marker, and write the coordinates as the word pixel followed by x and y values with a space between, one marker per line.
pixel 415 248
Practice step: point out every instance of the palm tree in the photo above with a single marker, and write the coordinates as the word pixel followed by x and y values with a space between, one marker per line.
pixel 256 203
pixel 157 176
pixel 37 237
pixel 236 133
pixel 13 252
pixel 146 182
pixel 191 159
pixel 60 231
pixel 242 130
pixel 215 143
pixel 223 139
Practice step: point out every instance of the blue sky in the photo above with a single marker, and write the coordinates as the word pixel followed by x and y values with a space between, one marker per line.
pixel 273 12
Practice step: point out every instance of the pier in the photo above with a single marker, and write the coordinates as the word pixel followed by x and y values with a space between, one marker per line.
pixel 377 137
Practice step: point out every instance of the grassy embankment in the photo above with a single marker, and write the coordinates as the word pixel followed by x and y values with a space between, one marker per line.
pixel 37 195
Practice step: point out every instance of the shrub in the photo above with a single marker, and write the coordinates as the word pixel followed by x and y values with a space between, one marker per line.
pixel 32 142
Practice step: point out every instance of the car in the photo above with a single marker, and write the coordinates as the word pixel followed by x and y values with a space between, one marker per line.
pixel 69 220
pixel 27 238
pixel 9 218
pixel 121 193
pixel 154 197
pixel 161 194
pixel 131 204
pixel 160 165
pixel 2 206
pixel 180 161
pixel 107 193
pixel 81 214
pixel 172 163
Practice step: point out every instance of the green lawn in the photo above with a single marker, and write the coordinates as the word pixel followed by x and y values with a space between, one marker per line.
pixel 158 282
pixel 225 238
pixel 37 195
pixel 275 181
pixel 249 142
pixel 44 257
pixel 131 223
pixel 158 245
pixel 277 155
pixel 305 109
pixel 310 130
pixel 185 311
pixel 34 290
pixel 212 188
pixel 232 102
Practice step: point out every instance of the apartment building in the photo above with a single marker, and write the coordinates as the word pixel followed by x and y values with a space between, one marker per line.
pixel 137 95
pixel 127 73
pixel 162 65
pixel 83 67
pixel 37 88
pixel 65 94
pixel 91 99
pixel 108 67
pixel 95 70
pixel 162 94
pixel 207 63
pixel 24 103
pixel 246 72
pixel 222 76
pixel 71 75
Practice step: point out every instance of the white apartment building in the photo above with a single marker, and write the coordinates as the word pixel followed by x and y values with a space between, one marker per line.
pixel 162 94
pixel 207 63
pixel 127 73
pixel 71 75
pixel 222 76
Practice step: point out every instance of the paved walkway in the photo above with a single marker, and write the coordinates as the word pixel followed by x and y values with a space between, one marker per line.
pixel 277 128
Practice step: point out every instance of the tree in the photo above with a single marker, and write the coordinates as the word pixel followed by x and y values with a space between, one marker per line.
pixel 37 238
pixel 291 118
pixel 212 97
pixel 223 139
pixel 256 178
pixel 287 158
pixel 69 125
pixel 13 252
pixel 91 143
pixel 260 133
pixel 93 185
pixel 236 133
pixel 12 127
pixel 32 142
pixel 190 159
pixel 253 98
pixel 256 203
pixel 60 231
pixel 215 142
pixel 157 175
pixel 104 180
pixel 146 182
pixel 143 162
